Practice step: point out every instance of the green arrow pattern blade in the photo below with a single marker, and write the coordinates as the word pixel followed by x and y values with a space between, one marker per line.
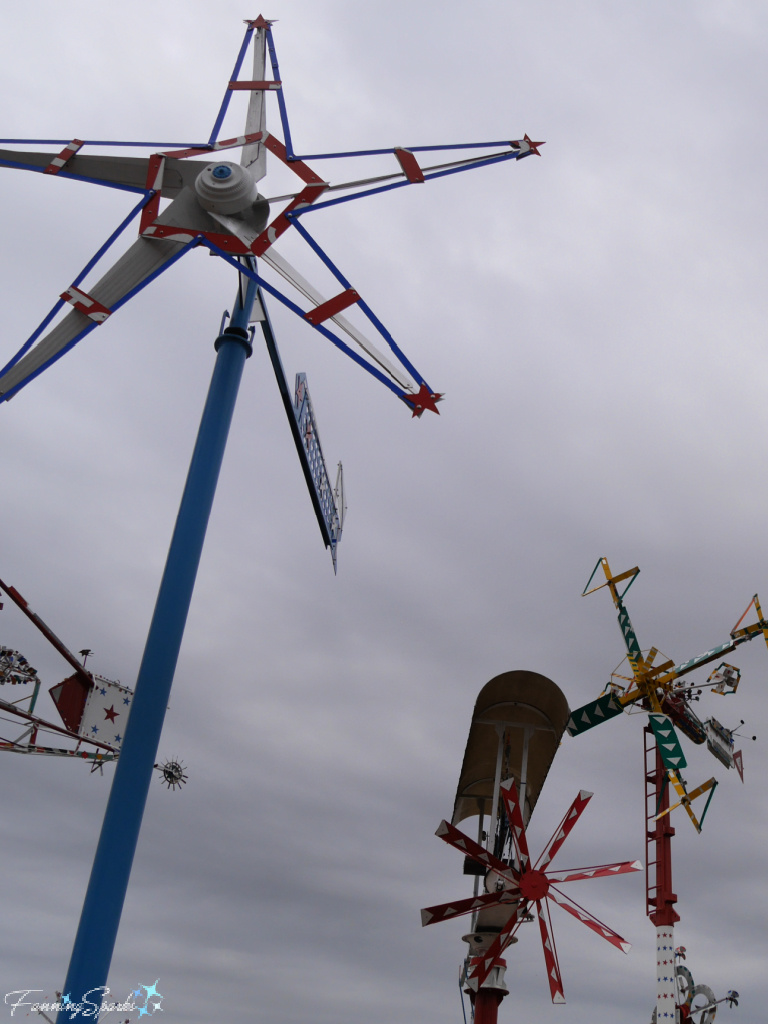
pixel 669 745
pixel 633 647
pixel 593 714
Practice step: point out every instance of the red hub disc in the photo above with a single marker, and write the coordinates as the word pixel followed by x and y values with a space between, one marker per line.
pixel 534 885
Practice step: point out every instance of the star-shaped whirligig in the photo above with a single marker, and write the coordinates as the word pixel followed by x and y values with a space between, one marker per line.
pixel 216 203
pixel 188 196
pixel 525 888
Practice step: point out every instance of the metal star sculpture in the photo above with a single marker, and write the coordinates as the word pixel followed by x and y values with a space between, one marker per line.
pixel 216 204
pixel 523 888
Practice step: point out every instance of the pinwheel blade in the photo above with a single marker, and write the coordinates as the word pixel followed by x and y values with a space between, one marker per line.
pixel 687 798
pixel 517 827
pixel 597 871
pixel 445 911
pixel 485 964
pixel 572 815
pixel 667 742
pixel 588 919
pixel 550 953
pixel 592 714
pixel 451 835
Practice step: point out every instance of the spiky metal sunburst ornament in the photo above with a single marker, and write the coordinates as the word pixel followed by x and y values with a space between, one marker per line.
pixel 524 887
pixel 172 773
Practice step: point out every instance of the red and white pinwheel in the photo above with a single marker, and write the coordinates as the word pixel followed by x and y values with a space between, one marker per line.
pixel 525 887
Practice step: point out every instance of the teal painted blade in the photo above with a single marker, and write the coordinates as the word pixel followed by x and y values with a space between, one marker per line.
pixel 593 714
pixel 669 745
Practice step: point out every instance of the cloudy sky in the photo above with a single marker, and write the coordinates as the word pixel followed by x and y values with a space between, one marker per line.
pixel 595 318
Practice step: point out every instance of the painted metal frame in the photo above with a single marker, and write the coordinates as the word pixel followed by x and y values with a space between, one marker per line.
pixel 656 689
pixel 313 196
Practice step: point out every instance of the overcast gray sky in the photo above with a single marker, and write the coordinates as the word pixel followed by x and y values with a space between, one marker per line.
pixel 596 321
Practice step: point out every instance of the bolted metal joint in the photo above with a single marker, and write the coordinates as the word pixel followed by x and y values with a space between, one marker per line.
pixel 236 334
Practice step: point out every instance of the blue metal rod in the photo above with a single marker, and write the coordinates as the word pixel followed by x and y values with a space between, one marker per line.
pixel 280 96
pixel 390 150
pixel 32 338
pixel 100 142
pixel 428 176
pixel 228 92
pixel 320 328
pixel 100 919
pixel 360 302
pixel 115 234
pixel 87 330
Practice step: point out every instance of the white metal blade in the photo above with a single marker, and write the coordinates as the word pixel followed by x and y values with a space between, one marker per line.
pixel 144 258
pixel 255 155
pixel 118 170
pixel 290 274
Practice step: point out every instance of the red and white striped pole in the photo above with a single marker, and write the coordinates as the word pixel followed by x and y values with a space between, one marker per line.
pixel 488 997
pixel 660 899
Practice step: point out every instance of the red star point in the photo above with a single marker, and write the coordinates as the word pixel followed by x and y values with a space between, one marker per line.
pixel 424 399
pixel 532 146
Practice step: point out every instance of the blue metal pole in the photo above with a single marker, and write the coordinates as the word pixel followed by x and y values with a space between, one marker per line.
pixel 100 918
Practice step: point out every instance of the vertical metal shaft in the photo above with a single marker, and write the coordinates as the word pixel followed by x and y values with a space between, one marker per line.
pixel 494 815
pixel 486 1005
pixel 660 899
pixel 100 918
pixel 527 733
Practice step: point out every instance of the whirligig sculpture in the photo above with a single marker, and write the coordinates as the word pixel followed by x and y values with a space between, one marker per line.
pixel 215 204
pixel 656 690
pixel 517 724
pixel 92 709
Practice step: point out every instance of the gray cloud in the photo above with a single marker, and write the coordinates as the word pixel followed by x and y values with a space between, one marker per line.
pixel 596 321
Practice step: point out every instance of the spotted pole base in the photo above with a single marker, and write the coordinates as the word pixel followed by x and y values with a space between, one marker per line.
pixel 666 988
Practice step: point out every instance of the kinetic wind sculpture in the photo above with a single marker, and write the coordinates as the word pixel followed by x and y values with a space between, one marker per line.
pixel 216 205
pixel 93 709
pixel 522 886
pixel 517 724
pixel 695 1003
pixel 656 690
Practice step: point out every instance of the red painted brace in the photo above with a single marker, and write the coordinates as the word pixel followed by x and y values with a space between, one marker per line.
pixel 241 140
pixel 410 166
pixel 333 306
pixel 64 157
pixel 83 303
pixel 255 86
pixel 154 183
pixel 297 166
pixel 281 223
